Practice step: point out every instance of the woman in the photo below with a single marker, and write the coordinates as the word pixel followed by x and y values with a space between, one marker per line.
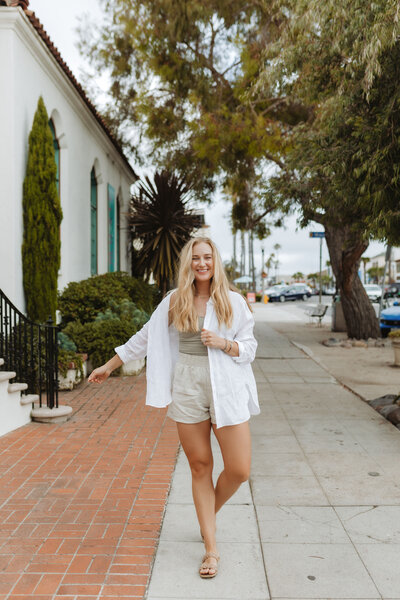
pixel 199 344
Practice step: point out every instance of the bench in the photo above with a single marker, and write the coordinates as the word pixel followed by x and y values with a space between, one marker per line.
pixel 317 311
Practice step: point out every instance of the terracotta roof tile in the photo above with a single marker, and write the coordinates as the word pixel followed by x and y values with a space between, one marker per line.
pixel 55 52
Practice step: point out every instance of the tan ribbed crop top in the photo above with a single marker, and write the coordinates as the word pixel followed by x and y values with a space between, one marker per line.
pixel 190 341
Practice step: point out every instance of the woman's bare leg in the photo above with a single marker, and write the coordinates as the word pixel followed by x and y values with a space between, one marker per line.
pixel 195 440
pixel 235 444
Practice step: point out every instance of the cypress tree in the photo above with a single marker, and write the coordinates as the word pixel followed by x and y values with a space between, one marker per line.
pixel 42 215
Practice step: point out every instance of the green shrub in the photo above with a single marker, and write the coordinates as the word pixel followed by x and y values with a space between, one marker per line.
pixel 394 333
pixel 83 300
pixel 99 338
pixel 64 342
pixel 65 358
pixel 124 310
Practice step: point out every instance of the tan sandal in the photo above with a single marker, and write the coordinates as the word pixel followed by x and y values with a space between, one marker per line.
pixel 204 566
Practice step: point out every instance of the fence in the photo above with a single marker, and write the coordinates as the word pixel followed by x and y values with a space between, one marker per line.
pixel 30 349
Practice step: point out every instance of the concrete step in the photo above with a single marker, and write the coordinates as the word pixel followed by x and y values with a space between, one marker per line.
pixel 29 399
pixel 6 375
pixel 16 387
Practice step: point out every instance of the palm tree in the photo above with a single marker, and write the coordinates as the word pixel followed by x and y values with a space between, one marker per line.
pixel 365 260
pixel 277 247
pixel 269 263
pixel 298 276
pixel 161 223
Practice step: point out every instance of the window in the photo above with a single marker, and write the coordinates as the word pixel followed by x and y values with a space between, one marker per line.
pixel 56 153
pixel 93 223
pixel 111 228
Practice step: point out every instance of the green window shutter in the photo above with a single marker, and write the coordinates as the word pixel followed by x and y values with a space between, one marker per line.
pixel 111 228
pixel 56 153
pixel 118 235
pixel 93 223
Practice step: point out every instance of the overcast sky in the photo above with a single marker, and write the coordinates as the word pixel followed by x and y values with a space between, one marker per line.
pixel 298 251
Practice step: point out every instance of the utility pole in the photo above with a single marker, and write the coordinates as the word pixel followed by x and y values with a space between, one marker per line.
pixel 320 270
pixel 262 274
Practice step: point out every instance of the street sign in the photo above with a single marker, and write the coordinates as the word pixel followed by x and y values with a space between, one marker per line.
pixel 317 234
pixel 251 297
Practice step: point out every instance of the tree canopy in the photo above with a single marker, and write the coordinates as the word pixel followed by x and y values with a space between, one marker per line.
pixel 220 91
pixel 341 167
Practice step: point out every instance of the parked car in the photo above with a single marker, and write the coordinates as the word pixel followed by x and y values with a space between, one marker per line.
pixel 289 293
pixel 329 291
pixel 274 288
pixel 392 290
pixel 374 292
pixel 390 319
pixel 302 286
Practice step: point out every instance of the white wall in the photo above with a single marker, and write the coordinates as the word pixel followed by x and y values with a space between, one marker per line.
pixel 29 72
pixel 379 261
pixel 9 215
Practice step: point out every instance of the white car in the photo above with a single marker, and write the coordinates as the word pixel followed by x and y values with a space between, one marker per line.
pixel 302 286
pixel 374 292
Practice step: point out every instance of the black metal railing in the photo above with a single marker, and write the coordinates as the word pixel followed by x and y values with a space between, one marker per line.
pixel 30 349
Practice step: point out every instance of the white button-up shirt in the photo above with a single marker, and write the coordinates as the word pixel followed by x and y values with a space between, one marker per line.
pixel 232 380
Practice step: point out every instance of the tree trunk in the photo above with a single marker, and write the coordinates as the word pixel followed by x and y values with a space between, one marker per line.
pixel 253 270
pixel 390 280
pixel 234 254
pixel 345 251
pixel 242 254
pixel 249 253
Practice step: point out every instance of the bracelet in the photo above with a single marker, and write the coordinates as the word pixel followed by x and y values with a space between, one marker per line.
pixel 230 346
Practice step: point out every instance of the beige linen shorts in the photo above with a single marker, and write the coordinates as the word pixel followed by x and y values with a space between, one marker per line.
pixel 192 399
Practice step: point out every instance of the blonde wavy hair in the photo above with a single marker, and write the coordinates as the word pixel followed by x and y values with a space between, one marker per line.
pixel 183 313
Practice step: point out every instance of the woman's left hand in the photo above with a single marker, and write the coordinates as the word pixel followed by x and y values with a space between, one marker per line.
pixel 211 339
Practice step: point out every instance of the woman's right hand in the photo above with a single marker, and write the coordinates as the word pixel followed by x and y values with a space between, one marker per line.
pixel 99 375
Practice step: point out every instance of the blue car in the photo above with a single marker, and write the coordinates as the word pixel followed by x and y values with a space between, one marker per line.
pixel 390 319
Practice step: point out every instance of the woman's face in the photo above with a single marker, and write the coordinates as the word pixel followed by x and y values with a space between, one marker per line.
pixel 202 262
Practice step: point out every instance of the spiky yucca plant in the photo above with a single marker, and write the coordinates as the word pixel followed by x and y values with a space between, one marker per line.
pixel 161 220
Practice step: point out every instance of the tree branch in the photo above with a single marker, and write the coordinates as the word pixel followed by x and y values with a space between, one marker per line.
pixel 231 67
pixel 216 74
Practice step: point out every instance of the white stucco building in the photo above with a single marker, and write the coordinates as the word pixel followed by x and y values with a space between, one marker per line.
pixel 378 262
pixel 94 175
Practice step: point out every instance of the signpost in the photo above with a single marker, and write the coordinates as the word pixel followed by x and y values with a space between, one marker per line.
pixel 320 235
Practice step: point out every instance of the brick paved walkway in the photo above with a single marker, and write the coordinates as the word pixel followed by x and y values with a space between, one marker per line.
pixel 81 503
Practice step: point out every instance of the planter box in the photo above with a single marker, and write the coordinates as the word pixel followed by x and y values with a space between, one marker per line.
pixel 133 367
pixel 73 376
pixel 396 348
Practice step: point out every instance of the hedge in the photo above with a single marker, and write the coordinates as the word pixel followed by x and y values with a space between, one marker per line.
pixel 83 300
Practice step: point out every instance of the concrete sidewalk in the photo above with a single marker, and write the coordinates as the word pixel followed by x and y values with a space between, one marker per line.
pixel 320 517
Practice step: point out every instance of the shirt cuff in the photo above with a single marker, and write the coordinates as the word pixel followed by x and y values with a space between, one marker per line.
pixel 241 350
pixel 120 350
